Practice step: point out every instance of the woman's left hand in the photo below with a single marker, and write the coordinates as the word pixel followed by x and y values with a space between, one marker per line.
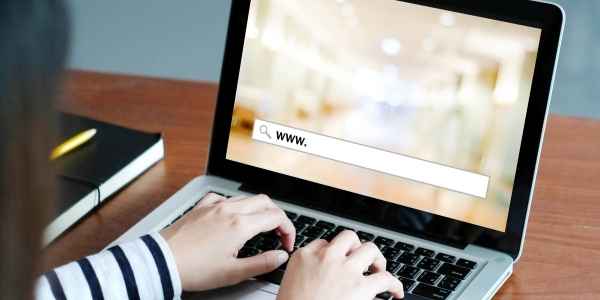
pixel 205 242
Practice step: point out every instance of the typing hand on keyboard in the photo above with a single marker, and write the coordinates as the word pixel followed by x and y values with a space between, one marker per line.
pixel 336 270
pixel 206 239
pixel 424 273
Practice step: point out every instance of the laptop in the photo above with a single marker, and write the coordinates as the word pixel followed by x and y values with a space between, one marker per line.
pixel 418 124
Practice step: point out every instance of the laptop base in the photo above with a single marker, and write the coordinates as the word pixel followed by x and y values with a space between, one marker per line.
pixel 493 267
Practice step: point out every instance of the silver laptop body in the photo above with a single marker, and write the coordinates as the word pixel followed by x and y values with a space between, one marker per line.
pixel 493 267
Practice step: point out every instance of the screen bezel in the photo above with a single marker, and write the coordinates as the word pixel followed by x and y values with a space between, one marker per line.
pixel 547 17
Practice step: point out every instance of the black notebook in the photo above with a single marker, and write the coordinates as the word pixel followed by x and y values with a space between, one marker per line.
pixel 98 169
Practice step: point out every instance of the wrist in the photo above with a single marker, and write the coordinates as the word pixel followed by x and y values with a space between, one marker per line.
pixel 170 269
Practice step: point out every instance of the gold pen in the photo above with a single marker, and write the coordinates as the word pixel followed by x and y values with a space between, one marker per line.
pixel 72 143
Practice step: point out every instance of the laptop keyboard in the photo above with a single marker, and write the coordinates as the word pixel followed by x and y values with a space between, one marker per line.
pixel 423 272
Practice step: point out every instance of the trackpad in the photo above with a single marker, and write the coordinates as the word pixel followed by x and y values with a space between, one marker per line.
pixel 249 290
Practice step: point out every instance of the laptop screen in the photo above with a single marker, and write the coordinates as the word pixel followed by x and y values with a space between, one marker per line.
pixel 413 105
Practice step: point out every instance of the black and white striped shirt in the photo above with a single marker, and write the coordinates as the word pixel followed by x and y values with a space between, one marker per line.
pixel 141 269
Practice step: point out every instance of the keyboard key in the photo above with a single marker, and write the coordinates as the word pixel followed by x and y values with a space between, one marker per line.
pixel 326 225
pixel 408 258
pixel 446 257
pixel 313 232
pixel 306 242
pixel 283 267
pixel 407 283
pixel 428 263
pixel 299 226
pixel 390 253
pixel 429 277
pixel 253 241
pixel 271 236
pixel 267 243
pixel 247 252
pixel 382 242
pixel 329 236
pixel 392 266
pixel 425 252
pixel 404 246
pixel 292 216
pixel 306 220
pixel 298 241
pixel 385 296
pixel 454 271
pixel 365 236
pixel 466 263
pixel 449 283
pixel 432 292
pixel 408 272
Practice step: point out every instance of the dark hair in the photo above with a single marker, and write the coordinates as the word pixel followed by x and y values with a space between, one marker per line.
pixel 33 50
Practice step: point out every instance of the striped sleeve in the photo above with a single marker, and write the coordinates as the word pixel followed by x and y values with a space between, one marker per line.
pixel 141 269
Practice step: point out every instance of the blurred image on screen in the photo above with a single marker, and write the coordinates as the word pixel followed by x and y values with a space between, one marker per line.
pixel 426 83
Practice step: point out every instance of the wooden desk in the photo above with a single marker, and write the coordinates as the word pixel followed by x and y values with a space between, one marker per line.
pixel 562 253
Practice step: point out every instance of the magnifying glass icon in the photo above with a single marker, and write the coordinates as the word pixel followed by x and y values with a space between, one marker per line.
pixel 265 131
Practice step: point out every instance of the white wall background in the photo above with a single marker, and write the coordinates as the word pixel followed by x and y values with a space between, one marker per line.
pixel 184 39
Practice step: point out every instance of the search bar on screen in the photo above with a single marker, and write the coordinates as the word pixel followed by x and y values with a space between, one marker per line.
pixel 371 158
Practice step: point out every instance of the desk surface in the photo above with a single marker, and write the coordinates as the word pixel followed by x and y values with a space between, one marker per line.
pixel 562 252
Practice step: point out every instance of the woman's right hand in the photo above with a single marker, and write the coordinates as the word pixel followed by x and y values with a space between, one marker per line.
pixel 335 270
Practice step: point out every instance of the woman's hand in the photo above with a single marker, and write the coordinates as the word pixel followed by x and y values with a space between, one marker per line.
pixel 205 242
pixel 335 270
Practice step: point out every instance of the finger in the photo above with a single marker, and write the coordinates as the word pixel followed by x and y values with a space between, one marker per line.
pixel 260 264
pixel 210 199
pixel 252 204
pixel 366 256
pixel 345 242
pixel 269 220
pixel 315 245
pixel 385 282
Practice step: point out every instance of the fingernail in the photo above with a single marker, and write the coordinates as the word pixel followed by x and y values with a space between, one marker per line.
pixel 402 293
pixel 282 257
